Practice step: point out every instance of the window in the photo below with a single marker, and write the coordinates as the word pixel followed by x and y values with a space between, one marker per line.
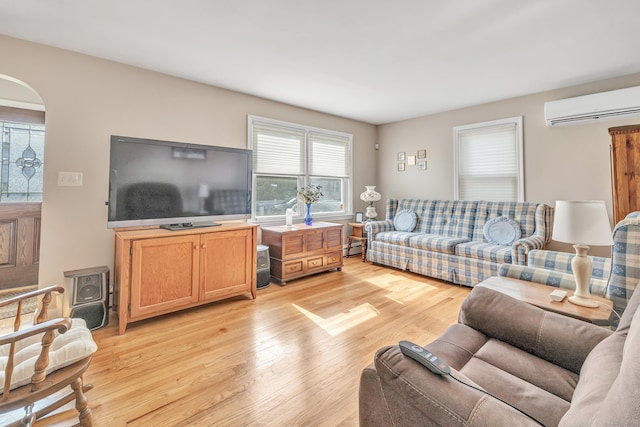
pixel 22 162
pixel 488 161
pixel 287 156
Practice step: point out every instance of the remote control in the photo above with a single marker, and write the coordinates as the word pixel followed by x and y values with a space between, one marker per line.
pixel 424 357
pixel 557 295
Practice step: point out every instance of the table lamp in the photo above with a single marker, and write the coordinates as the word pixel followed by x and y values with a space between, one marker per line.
pixel 582 223
pixel 370 195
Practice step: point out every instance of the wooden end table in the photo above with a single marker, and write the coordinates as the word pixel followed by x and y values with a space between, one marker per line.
pixel 538 295
pixel 359 235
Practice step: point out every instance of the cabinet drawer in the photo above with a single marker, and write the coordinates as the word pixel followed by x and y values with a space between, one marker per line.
pixel 292 267
pixel 334 258
pixel 315 262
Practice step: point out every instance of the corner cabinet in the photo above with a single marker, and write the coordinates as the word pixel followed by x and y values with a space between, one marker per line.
pixel 625 170
pixel 159 271
pixel 301 250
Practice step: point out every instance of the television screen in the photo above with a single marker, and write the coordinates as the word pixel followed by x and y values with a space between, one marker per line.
pixel 161 182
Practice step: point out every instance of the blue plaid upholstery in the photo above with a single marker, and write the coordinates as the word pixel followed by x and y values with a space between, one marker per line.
pixel 431 242
pixel 615 278
pixel 448 242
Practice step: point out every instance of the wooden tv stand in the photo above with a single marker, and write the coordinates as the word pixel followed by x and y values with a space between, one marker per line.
pixel 159 271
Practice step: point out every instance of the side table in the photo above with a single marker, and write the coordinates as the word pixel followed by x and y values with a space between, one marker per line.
pixel 538 295
pixel 359 235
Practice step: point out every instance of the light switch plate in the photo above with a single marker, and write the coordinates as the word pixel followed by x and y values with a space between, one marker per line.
pixel 70 179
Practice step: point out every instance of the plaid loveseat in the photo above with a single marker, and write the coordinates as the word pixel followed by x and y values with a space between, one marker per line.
pixel 614 278
pixel 448 241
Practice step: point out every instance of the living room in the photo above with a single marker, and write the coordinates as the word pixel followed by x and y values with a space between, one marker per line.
pixel 88 99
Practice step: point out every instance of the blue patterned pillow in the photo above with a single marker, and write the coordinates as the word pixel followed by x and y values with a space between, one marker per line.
pixel 501 231
pixel 405 220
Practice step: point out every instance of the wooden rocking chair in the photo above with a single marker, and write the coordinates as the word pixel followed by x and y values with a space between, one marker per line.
pixel 39 361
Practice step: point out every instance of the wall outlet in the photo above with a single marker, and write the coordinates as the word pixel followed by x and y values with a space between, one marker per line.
pixel 70 179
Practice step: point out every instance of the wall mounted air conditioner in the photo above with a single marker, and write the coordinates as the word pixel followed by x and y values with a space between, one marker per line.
pixel 615 104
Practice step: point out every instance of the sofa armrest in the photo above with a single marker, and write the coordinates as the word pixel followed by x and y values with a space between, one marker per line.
pixel 546 277
pixel 559 339
pixel 374 227
pixel 521 247
pixel 397 390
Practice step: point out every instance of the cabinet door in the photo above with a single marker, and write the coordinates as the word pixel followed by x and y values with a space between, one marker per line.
pixel 314 241
pixel 226 264
pixel 334 238
pixel 164 274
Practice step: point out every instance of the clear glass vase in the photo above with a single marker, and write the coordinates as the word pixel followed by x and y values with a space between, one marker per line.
pixel 308 219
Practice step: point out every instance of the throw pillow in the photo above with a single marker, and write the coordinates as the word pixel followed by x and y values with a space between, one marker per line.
pixel 501 231
pixel 405 220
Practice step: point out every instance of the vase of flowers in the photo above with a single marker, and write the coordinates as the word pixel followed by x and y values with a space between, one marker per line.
pixel 308 195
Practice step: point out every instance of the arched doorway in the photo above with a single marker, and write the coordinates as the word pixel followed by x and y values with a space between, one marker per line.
pixel 22 135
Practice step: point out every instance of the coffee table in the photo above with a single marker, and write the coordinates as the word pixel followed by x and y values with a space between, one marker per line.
pixel 538 295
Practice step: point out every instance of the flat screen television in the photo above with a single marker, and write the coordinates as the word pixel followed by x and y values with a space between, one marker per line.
pixel 176 185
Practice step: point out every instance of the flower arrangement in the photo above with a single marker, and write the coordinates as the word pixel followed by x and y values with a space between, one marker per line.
pixel 310 193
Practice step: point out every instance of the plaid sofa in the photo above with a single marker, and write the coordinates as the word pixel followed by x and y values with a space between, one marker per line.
pixel 448 241
pixel 614 278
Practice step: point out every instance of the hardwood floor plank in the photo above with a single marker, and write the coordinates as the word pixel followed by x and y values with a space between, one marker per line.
pixel 291 357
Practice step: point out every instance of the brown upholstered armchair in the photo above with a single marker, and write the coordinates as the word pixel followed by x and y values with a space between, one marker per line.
pixel 38 361
pixel 556 369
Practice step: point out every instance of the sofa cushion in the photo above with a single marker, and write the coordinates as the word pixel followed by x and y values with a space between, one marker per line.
pixel 424 212
pixel 432 242
pixel 453 218
pixel 400 238
pixel 485 251
pixel 501 231
pixel 405 220
pixel 524 213
pixel 66 349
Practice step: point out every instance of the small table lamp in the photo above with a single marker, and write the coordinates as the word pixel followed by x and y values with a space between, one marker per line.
pixel 583 222
pixel 370 196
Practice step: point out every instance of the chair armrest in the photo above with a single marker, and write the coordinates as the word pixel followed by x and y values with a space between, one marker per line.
pixel 549 277
pixel 561 262
pixel 60 324
pixel 559 339
pixel 397 390
pixel 521 247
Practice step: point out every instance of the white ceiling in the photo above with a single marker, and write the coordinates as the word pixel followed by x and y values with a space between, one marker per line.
pixel 376 61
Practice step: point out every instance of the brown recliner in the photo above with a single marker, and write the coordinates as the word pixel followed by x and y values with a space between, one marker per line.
pixel 558 370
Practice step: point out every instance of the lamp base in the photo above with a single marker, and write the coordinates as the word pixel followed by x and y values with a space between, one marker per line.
pixel 584 302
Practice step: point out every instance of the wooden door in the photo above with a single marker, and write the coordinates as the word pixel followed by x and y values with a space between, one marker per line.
pixel 19 244
pixel 227 263
pixel 625 170
pixel 164 274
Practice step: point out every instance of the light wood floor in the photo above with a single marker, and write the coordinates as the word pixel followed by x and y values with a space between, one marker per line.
pixel 292 357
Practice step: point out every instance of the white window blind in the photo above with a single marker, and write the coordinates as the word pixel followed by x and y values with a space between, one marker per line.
pixel 489 161
pixel 329 155
pixel 278 149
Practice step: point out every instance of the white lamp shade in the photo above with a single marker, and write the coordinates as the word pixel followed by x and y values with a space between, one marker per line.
pixel 582 222
pixel 370 195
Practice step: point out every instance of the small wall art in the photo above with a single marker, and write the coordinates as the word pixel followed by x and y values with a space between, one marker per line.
pixel 401 156
pixel 411 160
pixel 422 154
pixel 400 167
pixel 422 165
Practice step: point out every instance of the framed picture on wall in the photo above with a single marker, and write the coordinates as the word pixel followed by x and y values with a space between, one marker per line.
pixel 401 156
pixel 422 165
pixel 411 160
pixel 400 167
pixel 422 154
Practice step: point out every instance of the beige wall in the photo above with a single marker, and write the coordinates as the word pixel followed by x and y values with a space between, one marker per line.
pixel 559 163
pixel 88 99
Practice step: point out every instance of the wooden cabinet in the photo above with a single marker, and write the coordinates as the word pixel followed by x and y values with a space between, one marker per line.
pixel 625 170
pixel 159 271
pixel 302 250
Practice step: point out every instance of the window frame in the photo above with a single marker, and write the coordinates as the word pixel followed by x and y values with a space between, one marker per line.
pixel 306 177
pixel 510 121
